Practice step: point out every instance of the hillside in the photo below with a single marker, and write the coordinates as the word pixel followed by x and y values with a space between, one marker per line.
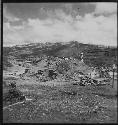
pixel 94 55
pixel 50 88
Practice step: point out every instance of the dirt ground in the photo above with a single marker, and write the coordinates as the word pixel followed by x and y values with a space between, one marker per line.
pixel 63 103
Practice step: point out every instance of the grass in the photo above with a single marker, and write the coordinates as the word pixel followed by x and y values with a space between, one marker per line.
pixel 59 105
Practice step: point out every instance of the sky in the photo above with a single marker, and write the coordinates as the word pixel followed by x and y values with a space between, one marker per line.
pixel 94 23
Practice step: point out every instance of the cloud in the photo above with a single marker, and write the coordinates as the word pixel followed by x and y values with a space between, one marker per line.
pixel 105 8
pixel 7 15
pixel 68 6
pixel 62 27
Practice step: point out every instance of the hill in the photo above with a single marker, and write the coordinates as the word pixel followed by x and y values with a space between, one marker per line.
pixel 94 55
pixel 59 89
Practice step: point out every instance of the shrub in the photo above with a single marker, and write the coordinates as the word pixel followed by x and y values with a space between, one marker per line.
pixel 63 67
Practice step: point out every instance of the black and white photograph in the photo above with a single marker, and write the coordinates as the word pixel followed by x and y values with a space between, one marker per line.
pixel 59 62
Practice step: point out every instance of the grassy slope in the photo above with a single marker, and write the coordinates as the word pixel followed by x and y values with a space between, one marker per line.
pixel 56 104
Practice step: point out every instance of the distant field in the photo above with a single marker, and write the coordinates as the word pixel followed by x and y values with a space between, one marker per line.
pixel 64 104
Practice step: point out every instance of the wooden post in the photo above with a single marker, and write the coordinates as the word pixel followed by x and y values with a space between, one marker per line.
pixel 82 57
pixel 113 75
pixel 113 79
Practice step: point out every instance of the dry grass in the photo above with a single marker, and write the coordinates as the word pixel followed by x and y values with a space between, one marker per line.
pixel 58 104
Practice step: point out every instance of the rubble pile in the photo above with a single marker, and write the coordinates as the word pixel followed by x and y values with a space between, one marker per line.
pixel 50 68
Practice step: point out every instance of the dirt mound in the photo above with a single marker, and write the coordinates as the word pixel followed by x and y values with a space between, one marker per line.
pixel 65 69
